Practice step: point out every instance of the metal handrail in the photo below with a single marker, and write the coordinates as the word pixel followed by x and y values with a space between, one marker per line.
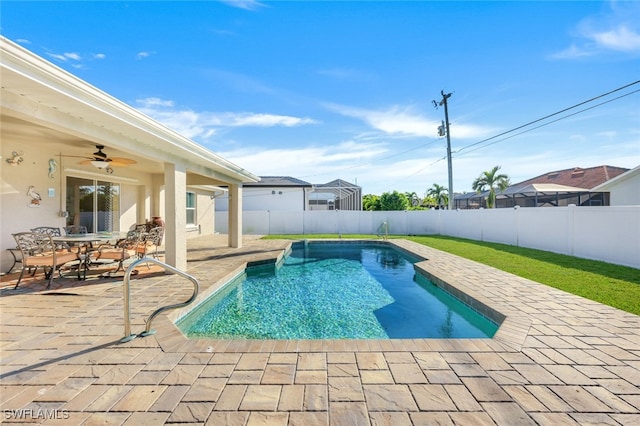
pixel 385 227
pixel 128 336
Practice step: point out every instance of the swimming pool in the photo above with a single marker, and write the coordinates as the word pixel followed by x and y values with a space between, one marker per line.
pixel 335 290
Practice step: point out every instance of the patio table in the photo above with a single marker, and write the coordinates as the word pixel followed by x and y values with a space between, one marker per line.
pixel 85 241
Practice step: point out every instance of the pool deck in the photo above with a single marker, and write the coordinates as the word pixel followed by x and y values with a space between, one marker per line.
pixel 558 359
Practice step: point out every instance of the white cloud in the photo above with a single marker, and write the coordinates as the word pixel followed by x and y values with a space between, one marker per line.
pixel 263 120
pixel 204 124
pixel 64 57
pixel 99 56
pixel 395 120
pixel 404 121
pixel 316 164
pixel 154 102
pixel 143 55
pixel 572 52
pixel 618 30
pixel 620 38
pixel 244 4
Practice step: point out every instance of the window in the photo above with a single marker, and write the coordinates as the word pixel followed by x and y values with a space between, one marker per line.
pixel 191 208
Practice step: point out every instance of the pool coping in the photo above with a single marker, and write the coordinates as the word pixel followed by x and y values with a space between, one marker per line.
pixel 510 336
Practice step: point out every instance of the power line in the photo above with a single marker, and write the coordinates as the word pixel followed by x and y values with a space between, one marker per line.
pixel 553 121
pixel 549 116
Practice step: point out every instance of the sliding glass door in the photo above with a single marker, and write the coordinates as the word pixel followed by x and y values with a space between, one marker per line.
pixel 94 204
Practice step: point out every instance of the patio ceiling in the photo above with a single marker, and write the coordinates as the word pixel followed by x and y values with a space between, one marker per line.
pixel 65 144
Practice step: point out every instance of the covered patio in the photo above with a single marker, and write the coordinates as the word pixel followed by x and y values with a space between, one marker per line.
pixel 51 124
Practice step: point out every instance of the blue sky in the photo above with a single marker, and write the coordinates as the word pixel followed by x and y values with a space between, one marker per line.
pixel 328 89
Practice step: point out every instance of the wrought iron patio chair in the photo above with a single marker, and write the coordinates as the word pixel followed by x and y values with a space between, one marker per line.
pixel 39 250
pixel 122 250
pixel 53 231
pixel 49 230
pixel 152 239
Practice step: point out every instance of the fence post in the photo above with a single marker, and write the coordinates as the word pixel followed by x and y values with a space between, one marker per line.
pixel 571 211
pixel 516 221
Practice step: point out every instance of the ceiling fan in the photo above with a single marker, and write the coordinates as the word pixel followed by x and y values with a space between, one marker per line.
pixel 102 161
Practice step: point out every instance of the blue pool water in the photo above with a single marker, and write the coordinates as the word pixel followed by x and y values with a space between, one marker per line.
pixel 333 291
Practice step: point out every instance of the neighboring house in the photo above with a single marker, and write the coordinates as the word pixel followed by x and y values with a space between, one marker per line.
pixel 274 193
pixel 336 195
pixel 624 189
pixel 286 193
pixel 558 188
pixel 51 124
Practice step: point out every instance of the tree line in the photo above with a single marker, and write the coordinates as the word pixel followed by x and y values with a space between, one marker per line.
pixel 437 196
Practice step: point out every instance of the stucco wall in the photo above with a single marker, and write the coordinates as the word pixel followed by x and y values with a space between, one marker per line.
pixel 626 192
pixel 15 213
pixel 277 199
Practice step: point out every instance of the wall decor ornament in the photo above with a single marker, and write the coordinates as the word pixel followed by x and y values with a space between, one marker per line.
pixel 35 197
pixel 53 166
pixel 16 158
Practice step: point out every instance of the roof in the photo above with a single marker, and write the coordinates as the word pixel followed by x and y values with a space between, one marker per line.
pixel 606 186
pixel 541 188
pixel 337 183
pixel 470 195
pixel 588 178
pixel 278 181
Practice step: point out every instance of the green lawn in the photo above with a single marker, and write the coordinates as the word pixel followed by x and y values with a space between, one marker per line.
pixel 613 285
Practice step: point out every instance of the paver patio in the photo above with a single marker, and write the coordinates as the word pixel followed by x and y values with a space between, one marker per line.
pixel 558 359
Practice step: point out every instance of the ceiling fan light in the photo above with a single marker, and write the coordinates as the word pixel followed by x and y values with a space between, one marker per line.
pixel 100 164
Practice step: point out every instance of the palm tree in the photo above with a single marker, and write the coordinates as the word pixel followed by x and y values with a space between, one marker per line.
pixel 413 198
pixel 440 195
pixel 491 180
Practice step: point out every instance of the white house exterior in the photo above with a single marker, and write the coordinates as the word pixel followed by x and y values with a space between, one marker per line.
pixel 272 193
pixel 624 189
pixel 51 119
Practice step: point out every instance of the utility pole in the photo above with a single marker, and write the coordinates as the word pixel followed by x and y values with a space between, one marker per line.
pixel 445 129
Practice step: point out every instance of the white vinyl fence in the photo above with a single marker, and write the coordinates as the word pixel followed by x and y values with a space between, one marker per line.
pixel 610 234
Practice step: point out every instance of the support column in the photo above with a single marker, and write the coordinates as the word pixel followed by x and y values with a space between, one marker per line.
pixel 175 234
pixel 235 216
pixel 156 195
pixel 142 205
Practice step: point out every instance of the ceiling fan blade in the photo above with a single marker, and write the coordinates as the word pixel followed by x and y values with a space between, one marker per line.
pixel 116 163
pixel 87 157
pixel 122 160
pixel 87 161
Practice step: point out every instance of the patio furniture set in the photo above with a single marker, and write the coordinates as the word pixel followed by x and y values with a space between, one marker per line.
pixel 49 248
